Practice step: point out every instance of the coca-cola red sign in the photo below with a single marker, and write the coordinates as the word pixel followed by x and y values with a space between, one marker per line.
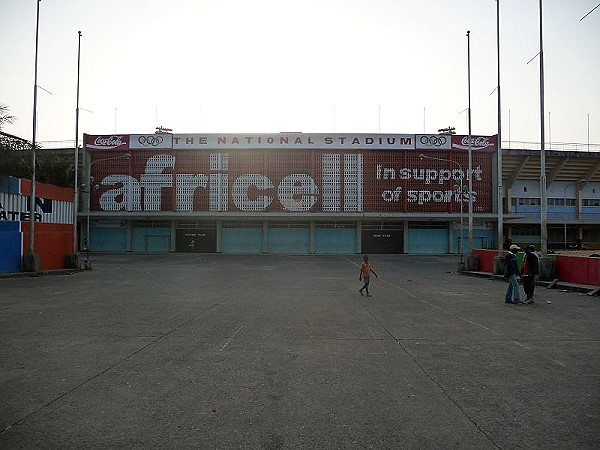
pixel 108 142
pixel 478 143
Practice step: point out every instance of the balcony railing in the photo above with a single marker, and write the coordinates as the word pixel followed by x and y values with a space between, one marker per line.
pixel 554 146
pixel 557 213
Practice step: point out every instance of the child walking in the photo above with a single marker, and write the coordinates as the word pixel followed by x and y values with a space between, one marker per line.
pixel 365 273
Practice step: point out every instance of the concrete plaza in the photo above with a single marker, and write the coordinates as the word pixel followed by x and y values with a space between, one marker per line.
pixel 218 351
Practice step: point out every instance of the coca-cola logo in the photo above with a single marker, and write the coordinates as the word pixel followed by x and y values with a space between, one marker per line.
pixel 477 143
pixel 107 142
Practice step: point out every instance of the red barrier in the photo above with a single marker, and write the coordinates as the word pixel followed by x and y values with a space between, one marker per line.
pixel 572 269
pixel 595 271
pixel 578 269
pixel 486 259
pixel 53 242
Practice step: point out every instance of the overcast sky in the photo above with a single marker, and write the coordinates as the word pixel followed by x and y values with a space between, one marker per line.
pixel 321 66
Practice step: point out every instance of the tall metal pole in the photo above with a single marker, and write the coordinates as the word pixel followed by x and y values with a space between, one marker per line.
pixel 76 196
pixel 500 187
pixel 509 128
pixel 549 131
pixel 33 142
pixel 544 205
pixel 470 154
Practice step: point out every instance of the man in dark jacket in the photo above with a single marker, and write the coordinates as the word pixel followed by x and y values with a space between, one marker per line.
pixel 512 270
pixel 531 271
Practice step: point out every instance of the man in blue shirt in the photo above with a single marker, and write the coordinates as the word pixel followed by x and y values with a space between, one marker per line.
pixel 513 294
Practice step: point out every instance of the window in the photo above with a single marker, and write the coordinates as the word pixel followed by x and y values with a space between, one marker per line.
pixel 590 202
pixel 335 225
pixel 242 224
pixel 526 202
pixel 196 225
pixel 427 225
pixel 289 225
pixel 525 230
pixel 151 224
pixel 557 201
pixel 382 225
pixel 591 234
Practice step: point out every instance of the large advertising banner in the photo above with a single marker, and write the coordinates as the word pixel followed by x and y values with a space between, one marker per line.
pixel 431 176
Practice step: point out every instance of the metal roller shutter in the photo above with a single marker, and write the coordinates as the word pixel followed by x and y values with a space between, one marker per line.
pixel 289 237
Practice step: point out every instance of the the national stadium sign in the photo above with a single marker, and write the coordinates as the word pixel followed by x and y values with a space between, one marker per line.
pixel 297 173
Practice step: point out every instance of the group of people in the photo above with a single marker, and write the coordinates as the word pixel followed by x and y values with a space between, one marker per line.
pixel 529 275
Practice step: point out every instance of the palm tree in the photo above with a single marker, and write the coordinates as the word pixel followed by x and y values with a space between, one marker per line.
pixel 5 117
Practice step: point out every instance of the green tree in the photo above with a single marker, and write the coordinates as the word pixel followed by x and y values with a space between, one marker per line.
pixel 54 169
pixel 13 150
pixel 5 117
pixel 16 163
pixel 15 158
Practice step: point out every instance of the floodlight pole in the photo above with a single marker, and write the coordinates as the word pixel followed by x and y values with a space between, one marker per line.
pixel 500 205
pixel 33 141
pixel 470 177
pixel 76 195
pixel 544 200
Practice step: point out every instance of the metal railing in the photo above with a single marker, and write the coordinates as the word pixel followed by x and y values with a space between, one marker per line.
pixel 553 146
pixel 557 215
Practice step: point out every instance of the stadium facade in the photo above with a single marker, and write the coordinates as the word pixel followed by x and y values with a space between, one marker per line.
pixel 302 193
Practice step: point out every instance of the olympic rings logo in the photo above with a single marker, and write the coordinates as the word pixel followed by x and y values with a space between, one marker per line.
pixel 433 141
pixel 150 141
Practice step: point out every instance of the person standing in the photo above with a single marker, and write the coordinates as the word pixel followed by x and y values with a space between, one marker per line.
pixel 511 265
pixel 365 274
pixel 531 270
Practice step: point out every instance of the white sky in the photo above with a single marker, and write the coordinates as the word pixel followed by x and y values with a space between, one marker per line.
pixel 321 66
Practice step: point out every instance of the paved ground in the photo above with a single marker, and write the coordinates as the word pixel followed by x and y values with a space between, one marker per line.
pixel 214 351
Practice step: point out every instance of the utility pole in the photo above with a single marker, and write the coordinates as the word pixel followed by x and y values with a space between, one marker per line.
pixel 470 177
pixel 500 205
pixel 544 200
pixel 76 196
pixel 31 261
